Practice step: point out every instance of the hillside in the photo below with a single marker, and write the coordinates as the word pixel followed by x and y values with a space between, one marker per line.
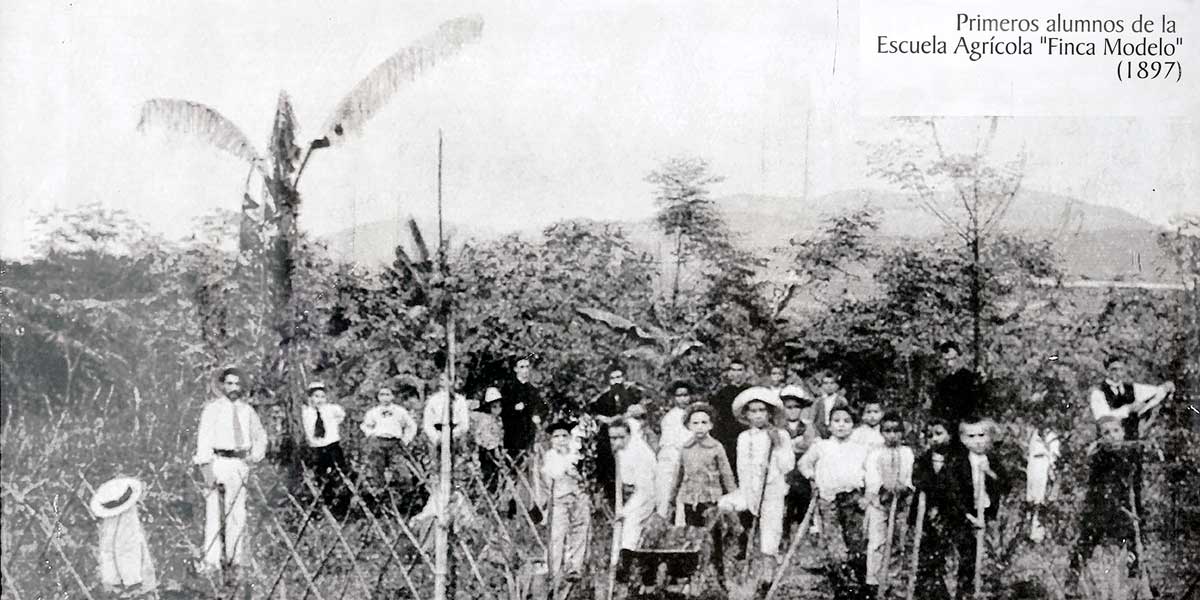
pixel 1096 242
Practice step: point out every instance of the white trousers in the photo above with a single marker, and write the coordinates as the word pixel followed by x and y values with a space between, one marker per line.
pixel 637 510
pixel 770 519
pixel 666 469
pixel 570 523
pixel 231 473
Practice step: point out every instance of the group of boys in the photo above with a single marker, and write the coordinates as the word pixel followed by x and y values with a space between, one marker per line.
pixel 763 453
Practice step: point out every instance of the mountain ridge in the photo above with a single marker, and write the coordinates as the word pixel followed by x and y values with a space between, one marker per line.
pixel 1095 241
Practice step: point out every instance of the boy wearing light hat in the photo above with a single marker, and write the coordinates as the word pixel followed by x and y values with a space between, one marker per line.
pixel 764 458
pixel 123 556
pixel 229 439
pixel 489 436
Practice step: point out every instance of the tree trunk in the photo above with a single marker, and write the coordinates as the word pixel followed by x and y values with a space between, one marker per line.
pixel 976 305
pixel 678 269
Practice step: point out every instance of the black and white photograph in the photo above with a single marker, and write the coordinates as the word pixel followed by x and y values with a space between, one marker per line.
pixel 837 300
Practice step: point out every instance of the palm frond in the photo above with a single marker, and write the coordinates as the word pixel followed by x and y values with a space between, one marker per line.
pixel 404 66
pixel 193 118
pixel 418 241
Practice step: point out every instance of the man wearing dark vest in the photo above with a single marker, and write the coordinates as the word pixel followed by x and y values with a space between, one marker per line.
pixel 726 426
pixel 1135 404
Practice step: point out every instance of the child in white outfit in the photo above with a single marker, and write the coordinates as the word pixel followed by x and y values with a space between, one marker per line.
pixel 888 479
pixel 569 505
pixel 765 457
pixel 837 467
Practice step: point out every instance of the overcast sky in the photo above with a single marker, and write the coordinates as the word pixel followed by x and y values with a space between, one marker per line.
pixel 560 110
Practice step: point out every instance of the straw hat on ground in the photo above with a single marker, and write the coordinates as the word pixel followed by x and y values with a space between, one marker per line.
pixel 116 496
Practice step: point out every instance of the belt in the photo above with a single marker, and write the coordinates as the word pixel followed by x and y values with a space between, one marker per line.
pixel 232 453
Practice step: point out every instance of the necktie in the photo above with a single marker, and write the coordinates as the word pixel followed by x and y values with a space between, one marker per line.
pixel 239 437
pixel 319 430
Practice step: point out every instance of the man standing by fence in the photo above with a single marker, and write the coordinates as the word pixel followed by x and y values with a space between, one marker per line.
pixel 230 438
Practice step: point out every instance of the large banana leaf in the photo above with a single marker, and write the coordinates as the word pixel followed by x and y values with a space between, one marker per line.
pixel 205 123
pixel 394 73
pixel 617 323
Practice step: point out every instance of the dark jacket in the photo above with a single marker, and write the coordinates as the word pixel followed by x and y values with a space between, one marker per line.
pixel 957 396
pixel 726 427
pixel 933 484
pixel 519 429
pixel 960 500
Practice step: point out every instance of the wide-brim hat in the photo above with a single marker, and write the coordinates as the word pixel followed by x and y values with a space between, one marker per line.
pixel 316 385
pixel 116 496
pixel 756 393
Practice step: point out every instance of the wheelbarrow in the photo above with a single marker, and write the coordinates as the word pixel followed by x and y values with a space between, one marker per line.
pixel 642 567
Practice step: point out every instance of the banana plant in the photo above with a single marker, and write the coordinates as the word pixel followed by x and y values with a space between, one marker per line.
pixel 654 345
pixel 284 161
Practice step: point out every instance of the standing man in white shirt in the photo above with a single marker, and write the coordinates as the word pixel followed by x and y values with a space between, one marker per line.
pixel 388 427
pixel 635 470
pixel 322 424
pixel 229 439
pixel 673 435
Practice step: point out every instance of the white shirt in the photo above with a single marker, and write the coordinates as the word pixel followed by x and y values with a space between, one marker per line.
pixel 835 466
pixel 389 421
pixel 332 415
pixel 560 472
pixel 979 465
pixel 868 436
pixel 216 431
pixel 636 463
pixel 889 466
pixel 674 431
pixel 435 407
pixel 753 446
pixel 1141 392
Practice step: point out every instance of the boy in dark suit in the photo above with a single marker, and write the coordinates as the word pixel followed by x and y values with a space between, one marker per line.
pixel 1112 475
pixel 974 479
pixel 929 478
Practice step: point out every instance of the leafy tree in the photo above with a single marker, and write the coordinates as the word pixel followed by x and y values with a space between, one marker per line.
pixel 686 214
pixel 968 191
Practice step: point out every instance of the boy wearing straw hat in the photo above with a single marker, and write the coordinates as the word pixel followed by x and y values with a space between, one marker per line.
pixel 123 556
pixel 230 438
pixel 765 457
